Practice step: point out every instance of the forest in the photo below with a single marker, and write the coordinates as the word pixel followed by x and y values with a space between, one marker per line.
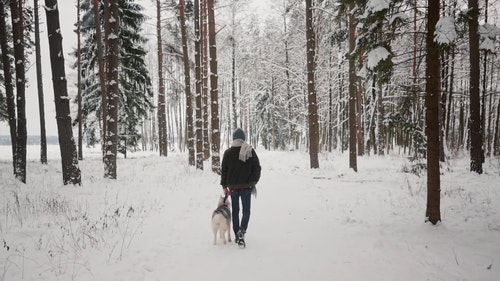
pixel 367 77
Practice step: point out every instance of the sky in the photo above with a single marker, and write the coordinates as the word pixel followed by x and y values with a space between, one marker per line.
pixel 67 13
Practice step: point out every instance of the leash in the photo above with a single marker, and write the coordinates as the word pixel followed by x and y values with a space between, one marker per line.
pixel 225 198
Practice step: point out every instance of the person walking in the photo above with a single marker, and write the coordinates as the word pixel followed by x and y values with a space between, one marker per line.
pixel 240 172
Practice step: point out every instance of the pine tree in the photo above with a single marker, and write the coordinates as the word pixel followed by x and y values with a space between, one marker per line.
pixel 112 31
pixel 476 125
pixel 352 89
pixel 214 96
pixel 19 56
pixel 162 114
pixel 187 85
pixel 9 87
pixel 198 96
pixel 432 90
pixel 311 89
pixel 71 171
pixel 41 103
pixel 134 91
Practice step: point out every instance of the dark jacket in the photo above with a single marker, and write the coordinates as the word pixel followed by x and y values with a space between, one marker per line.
pixel 236 173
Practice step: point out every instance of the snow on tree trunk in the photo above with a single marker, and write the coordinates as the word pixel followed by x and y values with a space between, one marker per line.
pixel 214 96
pixel 21 133
pixel 9 88
pixel 102 71
pixel 71 171
pixel 352 89
pixel 162 119
pixel 311 87
pixel 198 97
pixel 41 107
pixel 187 86
pixel 432 89
pixel 476 126
pixel 113 49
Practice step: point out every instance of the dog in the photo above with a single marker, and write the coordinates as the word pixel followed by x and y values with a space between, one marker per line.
pixel 221 220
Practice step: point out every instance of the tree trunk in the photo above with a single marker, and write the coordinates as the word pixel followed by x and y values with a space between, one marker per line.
pixel 233 69
pixel 205 56
pixel 187 86
pixel 79 82
pixel 476 126
pixel 162 116
pixel 214 95
pixel 39 80
pixel 113 64
pixel 102 70
pixel 71 171
pixel 496 141
pixel 9 87
pixel 432 72
pixel 352 89
pixel 381 137
pixel 359 120
pixel 288 80
pixel 311 88
pixel 21 134
pixel 198 98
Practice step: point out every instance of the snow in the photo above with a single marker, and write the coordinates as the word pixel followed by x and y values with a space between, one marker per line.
pixel 488 33
pixel 445 31
pixel 112 36
pixel 153 222
pixel 375 56
pixel 49 9
pixel 374 6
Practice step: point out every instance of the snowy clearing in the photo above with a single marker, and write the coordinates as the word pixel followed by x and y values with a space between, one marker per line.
pixel 153 223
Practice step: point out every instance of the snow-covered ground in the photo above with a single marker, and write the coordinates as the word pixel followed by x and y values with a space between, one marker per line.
pixel 153 223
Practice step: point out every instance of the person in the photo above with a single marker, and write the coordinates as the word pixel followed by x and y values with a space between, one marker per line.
pixel 240 172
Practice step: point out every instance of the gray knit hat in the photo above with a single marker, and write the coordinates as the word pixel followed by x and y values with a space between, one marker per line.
pixel 238 134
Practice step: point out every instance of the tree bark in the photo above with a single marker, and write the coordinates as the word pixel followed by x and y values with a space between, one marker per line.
pixel 9 87
pixel 71 171
pixel 79 82
pixel 352 90
pixel 21 134
pixel 162 115
pixel 476 126
pixel 198 98
pixel 432 104
pixel 102 70
pixel 205 65
pixel 214 95
pixel 187 86
pixel 39 80
pixel 113 64
pixel 311 88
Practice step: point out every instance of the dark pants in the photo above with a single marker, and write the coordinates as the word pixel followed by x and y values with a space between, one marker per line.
pixel 245 196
